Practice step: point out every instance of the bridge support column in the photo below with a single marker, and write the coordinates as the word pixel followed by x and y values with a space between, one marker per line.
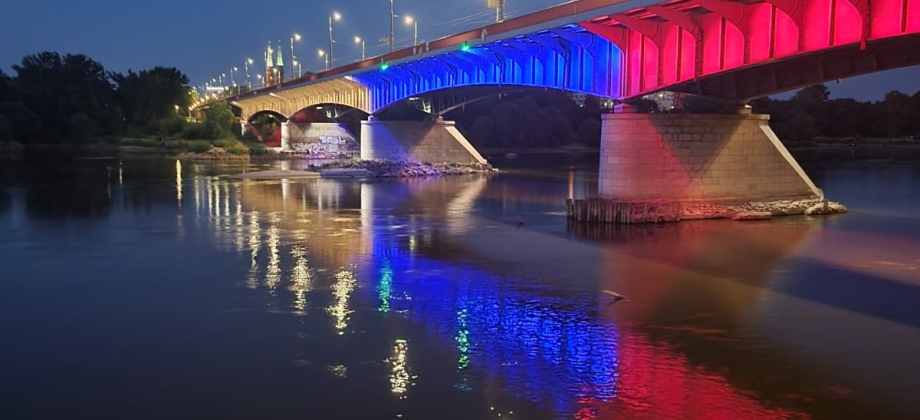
pixel 425 141
pixel 716 158
pixel 285 136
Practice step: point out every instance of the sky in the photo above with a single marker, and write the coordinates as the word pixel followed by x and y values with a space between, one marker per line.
pixel 206 38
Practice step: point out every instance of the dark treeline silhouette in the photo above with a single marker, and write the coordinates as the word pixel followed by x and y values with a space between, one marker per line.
pixel 552 118
pixel 536 119
pixel 810 113
pixel 54 98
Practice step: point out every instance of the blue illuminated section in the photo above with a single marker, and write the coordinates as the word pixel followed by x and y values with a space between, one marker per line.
pixel 537 343
pixel 568 58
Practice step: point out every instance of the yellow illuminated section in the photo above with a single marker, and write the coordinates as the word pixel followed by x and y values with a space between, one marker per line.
pixel 341 290
pixel 273 271
pixel 301 279
pixel 400 378
pixel 255 242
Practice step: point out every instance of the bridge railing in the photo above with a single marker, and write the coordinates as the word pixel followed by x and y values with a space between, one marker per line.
pixel 451 41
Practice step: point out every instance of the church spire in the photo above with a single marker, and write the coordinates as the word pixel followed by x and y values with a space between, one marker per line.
pixel 280 61
pixel 268 56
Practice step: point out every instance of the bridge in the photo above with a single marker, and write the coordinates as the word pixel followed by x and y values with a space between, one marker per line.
pixel 621 50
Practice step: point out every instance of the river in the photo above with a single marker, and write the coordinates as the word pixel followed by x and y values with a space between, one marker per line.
pixel 146 288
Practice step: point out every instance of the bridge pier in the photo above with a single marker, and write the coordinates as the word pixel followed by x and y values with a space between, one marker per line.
pixel 686 160
pixel 436 141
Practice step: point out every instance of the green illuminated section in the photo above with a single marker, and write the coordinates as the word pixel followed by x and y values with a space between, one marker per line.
pixel 463 340
pixel 384 66
pixel 465 46
pixel 385 289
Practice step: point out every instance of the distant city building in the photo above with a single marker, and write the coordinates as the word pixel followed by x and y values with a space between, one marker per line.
pixel 666 100
pixel 578 98
pixel 274 65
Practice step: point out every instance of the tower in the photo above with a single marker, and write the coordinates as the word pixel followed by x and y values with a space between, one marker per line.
pixel 269 66
pixel 279 65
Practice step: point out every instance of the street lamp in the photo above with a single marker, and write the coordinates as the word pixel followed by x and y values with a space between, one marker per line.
pixel 325 56
pixel 233 80
pixel 299 68
pixel 411 21
pixel 261 82
pixel 358 40
pixel 335 16
pixel 246 66
pixel 392 36
pixel 296 37
pixel 220 80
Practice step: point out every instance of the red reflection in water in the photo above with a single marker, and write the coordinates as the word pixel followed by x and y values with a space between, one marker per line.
pixel 657 383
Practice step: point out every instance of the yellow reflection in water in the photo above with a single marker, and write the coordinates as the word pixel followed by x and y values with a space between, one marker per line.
pixel 179 182
pixel 400 379
pixel 255 242
pixel 273 271
pixel 341 290
pixel 301 280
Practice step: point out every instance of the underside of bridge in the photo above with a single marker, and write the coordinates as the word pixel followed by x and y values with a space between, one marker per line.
pixel 621 50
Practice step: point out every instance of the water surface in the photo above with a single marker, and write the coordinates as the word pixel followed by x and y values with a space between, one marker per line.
pixel 151 289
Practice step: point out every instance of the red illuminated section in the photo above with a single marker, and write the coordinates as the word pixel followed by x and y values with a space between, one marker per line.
pixel 681 40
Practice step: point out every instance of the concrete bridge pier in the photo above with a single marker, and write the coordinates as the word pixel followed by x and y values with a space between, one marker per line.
pixel 697 159
pixel 430 141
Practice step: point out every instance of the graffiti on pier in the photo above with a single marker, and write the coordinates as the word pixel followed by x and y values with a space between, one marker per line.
pixel 327 146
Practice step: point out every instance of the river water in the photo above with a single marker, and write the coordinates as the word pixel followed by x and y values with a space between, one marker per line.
pixel 154 289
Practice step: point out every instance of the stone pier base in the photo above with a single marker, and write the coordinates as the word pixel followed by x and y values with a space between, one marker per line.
pixel 671 167
pixel 713 158
pixel 424 141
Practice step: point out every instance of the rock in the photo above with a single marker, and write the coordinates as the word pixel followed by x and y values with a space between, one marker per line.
pixel 753 215
pixel 825 207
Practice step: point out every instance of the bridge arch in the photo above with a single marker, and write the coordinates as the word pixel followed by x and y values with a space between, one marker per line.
pixel 568 58
pixel 439 102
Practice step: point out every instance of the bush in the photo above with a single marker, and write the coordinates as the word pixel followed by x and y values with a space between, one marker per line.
pixel 234 147
pixel 194 132
pixel 197 146
pixel 81 128
pixel 258 149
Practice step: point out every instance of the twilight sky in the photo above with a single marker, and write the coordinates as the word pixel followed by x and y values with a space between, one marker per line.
pixel 205 38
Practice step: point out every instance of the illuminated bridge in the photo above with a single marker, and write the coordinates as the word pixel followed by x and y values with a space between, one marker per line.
pixel 736 50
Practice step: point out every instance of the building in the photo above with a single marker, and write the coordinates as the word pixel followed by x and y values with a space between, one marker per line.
pixel 666 100
pixel 274 65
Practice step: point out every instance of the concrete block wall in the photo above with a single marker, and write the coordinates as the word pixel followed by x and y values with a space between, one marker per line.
pixel 425 141
pixel 708 158
pixel 302 136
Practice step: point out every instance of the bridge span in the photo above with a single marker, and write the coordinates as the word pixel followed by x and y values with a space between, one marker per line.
pixel 615 49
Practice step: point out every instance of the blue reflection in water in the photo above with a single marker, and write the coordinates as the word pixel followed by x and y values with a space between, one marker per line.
pixel 541 346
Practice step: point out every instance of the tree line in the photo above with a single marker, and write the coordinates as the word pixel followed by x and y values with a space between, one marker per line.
pixel 552 119
pixel 810 113
pixel 59 99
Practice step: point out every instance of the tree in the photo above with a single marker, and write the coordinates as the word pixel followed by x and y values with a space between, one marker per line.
pixel 818 93
pixel 151 95
pixel 218 120
pixel 56 87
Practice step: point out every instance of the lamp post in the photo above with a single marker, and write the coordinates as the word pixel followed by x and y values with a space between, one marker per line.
pixel 392 36
pixel 411 21
pixel 325 56
pixel 299 68
pixel 246 67
pixel 358 40
pixel 334 16
pixel 296 37
pixel 220 80
pixel 261 81
pixel 232 80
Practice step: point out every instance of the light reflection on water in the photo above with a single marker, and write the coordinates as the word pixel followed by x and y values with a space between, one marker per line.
pixel 721 320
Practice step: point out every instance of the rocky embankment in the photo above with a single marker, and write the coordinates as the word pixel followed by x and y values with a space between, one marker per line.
pixel 761 210
pixel 216 153
pixel 397 169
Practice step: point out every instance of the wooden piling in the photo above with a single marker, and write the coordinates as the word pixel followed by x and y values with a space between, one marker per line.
pixel 606 211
